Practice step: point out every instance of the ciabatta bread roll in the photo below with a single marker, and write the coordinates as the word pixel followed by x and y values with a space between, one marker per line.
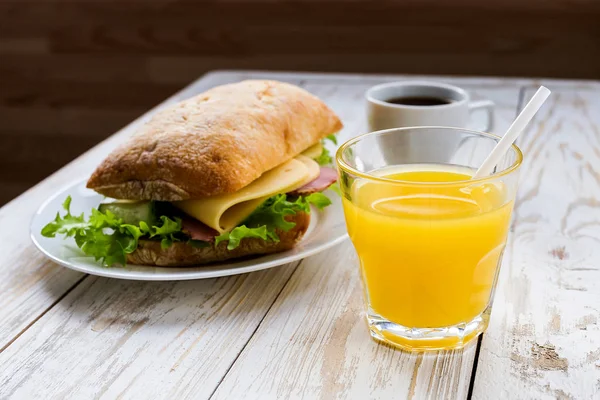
pixel 214 143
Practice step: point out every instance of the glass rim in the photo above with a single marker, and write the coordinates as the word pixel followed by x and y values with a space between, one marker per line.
pixel 347 168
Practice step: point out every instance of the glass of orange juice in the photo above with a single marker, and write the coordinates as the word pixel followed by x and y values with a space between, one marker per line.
pixel 428 237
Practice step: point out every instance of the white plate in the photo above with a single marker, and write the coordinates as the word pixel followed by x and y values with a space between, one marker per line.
pixel 326 229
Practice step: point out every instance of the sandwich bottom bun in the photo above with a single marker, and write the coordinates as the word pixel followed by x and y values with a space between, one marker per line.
pixel 181 254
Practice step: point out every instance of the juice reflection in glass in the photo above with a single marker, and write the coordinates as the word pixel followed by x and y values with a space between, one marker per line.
pixel 429 239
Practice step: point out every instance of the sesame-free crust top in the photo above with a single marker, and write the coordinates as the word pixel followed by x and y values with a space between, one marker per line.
pixel 215 143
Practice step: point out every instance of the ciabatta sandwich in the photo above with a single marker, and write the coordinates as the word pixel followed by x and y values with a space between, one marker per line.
pixel 231 172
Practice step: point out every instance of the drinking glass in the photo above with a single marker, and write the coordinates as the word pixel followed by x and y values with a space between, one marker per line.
pixel 429 248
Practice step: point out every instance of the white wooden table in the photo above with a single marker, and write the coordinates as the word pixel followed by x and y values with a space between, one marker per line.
pixel 297 331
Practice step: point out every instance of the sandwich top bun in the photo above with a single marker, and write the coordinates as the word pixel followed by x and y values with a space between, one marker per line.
pixel 215 143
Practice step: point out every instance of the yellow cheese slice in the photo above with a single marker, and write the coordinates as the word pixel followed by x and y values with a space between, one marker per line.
pixel 313 170
pixel 313 151
pixel 225 212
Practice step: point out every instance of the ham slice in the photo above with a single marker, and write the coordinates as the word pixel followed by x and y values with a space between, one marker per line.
pixel 196 229
pixel 326 178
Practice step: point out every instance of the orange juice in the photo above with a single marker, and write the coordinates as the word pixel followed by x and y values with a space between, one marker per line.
pixel 428 253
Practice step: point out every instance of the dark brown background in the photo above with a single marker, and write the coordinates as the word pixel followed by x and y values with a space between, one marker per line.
pixel 73 72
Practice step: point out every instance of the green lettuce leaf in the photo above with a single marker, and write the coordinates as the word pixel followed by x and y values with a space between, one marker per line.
pixel 67 225
pixel 238 233
pixel 325 157
pixel 269 216
pixel 332 138
pixel 272 213
pixel 105 237
pixel 318 199
pixel 166 232
pixel 168 227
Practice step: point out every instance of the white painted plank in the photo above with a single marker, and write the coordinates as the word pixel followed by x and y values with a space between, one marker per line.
pixel 544 337
pixel 29 283
pixel 417 376
pixel 314 342
pixel 139 340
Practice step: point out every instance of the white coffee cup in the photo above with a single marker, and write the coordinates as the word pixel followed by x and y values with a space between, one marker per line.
pixel 384 115
pixel 454 110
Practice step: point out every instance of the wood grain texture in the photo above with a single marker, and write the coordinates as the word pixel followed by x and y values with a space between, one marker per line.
pixel 441 373
pixel 544 339
pixel 126 339
pixel 30 284
pixel 122 57
pixel 98 340
pixel 314 343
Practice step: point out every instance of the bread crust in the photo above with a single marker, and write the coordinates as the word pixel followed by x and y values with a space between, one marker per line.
pixel 215 143
pixel 181 254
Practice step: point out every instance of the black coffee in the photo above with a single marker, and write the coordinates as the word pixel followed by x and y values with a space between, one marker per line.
pixel 419 101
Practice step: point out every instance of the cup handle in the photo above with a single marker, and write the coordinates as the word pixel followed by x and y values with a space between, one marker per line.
pixel 488 105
